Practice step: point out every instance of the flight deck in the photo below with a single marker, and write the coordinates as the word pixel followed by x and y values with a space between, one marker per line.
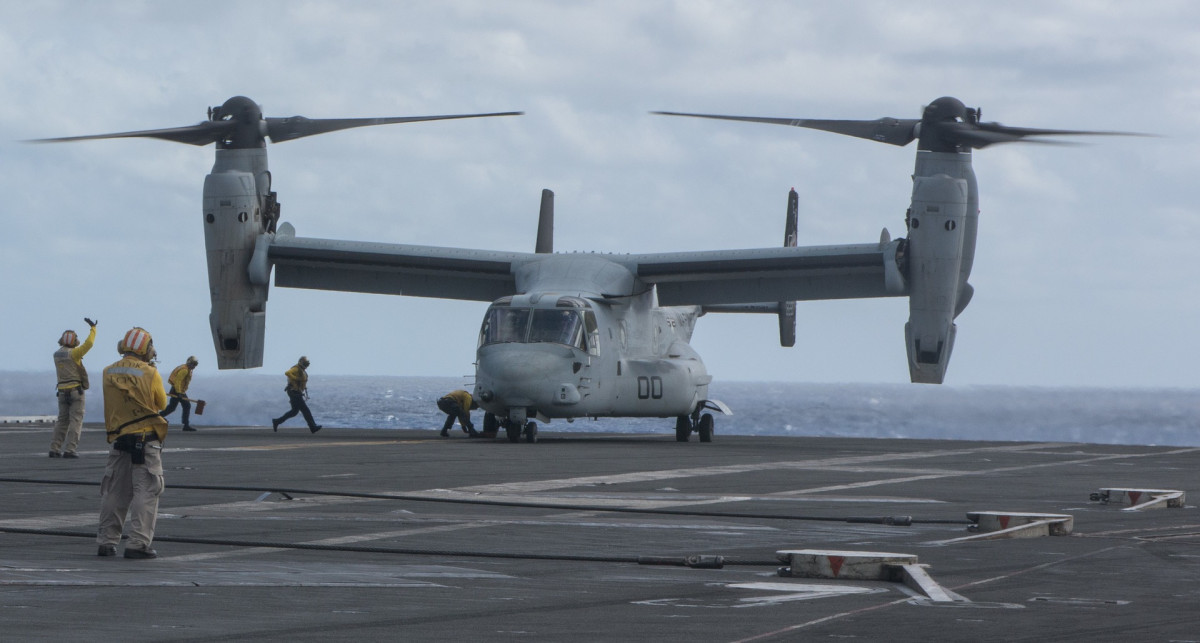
pixel 369 534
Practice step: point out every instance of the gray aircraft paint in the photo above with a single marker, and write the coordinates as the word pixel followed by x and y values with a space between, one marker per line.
pixel 637 312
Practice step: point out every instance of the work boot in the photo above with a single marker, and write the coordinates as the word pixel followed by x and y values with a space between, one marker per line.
pixel 445 433
pixel 55 454
pixel 70 454
pixel 314 428
pixel 471 432
pixel 275 425
pixel 140 553
pixel 188 427
pixel 107 550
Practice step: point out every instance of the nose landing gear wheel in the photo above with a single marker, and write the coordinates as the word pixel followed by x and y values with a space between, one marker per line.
pixel 705 427
pixel 683 428
pixel 531 432
pixel 512 430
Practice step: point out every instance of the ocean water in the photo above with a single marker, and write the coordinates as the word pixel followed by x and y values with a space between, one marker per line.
pixel 1106 416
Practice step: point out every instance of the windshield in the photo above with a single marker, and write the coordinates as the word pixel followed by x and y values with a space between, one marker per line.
pixel 503 324
pixel 506 324
pixel 558 326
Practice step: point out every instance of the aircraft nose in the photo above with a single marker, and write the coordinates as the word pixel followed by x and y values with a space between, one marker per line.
pixel 516 376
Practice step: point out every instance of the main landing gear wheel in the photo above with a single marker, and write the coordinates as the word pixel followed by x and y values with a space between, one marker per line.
pixel 512 430
pixel 705 427
pixel 683 428
pixel 531 432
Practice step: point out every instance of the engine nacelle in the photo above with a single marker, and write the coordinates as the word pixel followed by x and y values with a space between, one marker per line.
pixel 232 223
pixel 935 257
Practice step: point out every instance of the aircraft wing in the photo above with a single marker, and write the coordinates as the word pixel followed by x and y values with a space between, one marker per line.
pixel 682 278
pixel 393 269
pixel 772 274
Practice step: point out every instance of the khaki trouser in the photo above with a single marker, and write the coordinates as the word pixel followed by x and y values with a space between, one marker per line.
pixel 132 488
pixel 70 421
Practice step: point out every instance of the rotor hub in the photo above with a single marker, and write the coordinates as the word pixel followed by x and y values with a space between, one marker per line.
pixel 945 109
pixel 249 129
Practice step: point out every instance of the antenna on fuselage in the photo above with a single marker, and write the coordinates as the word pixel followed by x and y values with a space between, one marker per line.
pixel 545 231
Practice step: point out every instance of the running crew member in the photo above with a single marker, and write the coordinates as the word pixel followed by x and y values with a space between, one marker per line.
pixel 179 380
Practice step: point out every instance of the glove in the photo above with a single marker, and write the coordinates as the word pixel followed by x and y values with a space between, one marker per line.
pixel 89 322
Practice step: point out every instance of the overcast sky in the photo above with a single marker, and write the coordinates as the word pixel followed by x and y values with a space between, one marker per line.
pixel 1086 273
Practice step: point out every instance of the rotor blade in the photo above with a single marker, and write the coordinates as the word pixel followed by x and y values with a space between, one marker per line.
pixel 201 133
pixel 974 137
pixel 892 131
pixel 287 129
pixel 985 134
pixel 1029 131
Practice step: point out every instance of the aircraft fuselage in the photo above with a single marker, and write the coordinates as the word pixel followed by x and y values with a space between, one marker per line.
pixel 550 355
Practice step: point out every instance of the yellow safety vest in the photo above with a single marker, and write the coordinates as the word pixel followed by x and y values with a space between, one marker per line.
pixel 68 363
pixel 180 378
pixel 462 397
pixel 297 378
pixel 133 396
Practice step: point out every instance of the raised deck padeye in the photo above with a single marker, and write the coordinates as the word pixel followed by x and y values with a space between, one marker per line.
pixel 1139 499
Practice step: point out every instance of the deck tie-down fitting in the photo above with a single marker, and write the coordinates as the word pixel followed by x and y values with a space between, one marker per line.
pixel 996 525
pixel 865 565
pixel 1139 499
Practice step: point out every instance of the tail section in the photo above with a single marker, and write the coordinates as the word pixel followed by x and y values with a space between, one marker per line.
pixel 545 231
pixel 787 309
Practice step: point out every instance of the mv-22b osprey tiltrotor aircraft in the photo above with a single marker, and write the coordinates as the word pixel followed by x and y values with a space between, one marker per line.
pixel 591 335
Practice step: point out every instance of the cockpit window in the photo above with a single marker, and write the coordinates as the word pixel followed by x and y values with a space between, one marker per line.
pixel 562 325
pixel 503 324
pixel 557 325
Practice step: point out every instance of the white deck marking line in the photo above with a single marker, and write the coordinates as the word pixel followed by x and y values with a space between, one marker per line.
pixel 599 503
pixel 977 472
pixel 92 519
pixel 54 522
pixel 668 474
pixel 262 447
pixel 341 540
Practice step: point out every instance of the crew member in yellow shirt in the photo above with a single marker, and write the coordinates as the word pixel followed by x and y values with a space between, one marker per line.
pixel 72 382
pixel 457 405
pixel 179 381
pixel 133 476
pixel 297 391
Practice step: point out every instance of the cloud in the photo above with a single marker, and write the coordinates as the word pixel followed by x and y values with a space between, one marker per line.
pixel 1072 238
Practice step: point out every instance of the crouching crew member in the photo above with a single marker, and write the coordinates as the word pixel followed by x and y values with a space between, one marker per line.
pixel 179 381
pixel 297 391
pixel 133 476
pixel 458 405
pixel 72 382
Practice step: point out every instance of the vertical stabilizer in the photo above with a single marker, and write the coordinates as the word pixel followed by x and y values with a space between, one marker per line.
pixel 787 309
pixel 545 231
